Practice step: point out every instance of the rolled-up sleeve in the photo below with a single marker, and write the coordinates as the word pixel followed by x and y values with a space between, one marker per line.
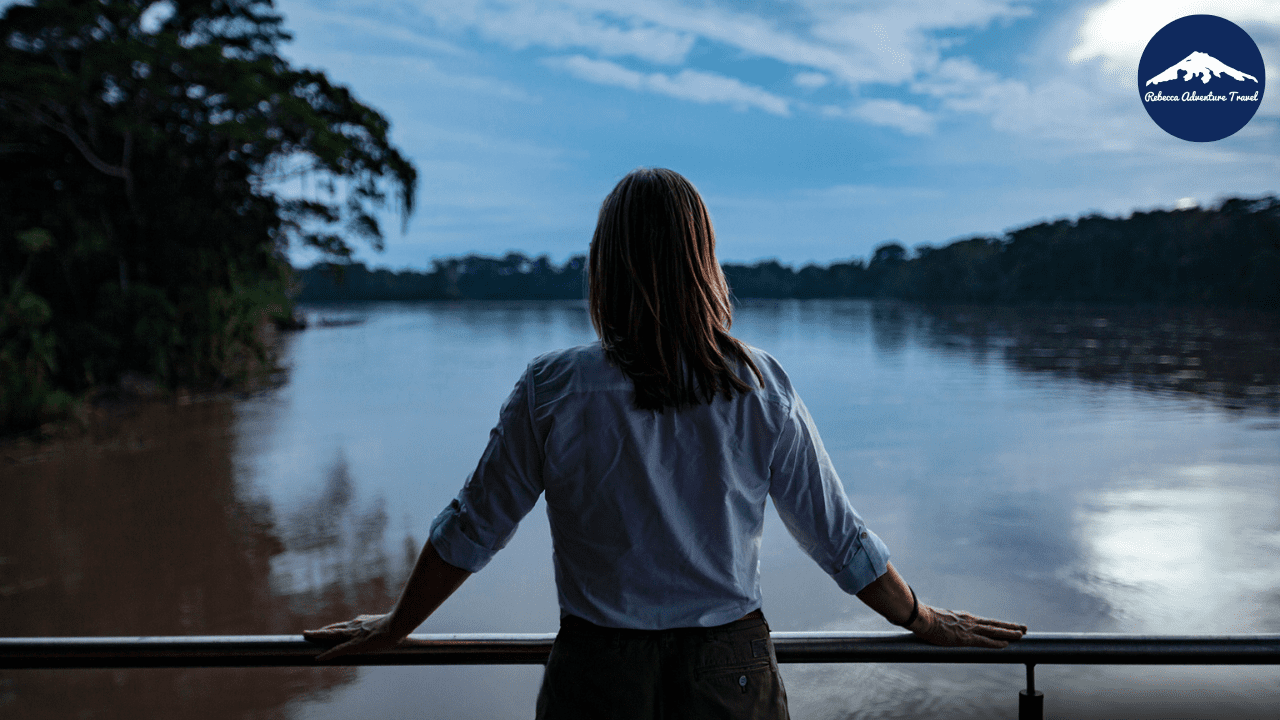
pixel 813 505
pixel 501 490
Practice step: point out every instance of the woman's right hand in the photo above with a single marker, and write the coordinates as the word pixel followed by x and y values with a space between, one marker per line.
pixel 956 628
pixel 364 634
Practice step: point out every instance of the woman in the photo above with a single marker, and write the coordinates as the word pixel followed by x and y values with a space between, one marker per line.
pixel 656 448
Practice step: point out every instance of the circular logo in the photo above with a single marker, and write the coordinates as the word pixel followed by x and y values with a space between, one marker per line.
pixel 1201 78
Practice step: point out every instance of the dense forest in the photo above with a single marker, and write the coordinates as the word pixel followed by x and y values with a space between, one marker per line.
pixel 1226 255
pixel 144 232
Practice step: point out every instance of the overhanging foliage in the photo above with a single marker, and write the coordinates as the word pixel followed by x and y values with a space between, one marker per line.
pixel 142 230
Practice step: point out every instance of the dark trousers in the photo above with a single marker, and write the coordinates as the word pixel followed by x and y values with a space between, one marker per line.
pixel 727 671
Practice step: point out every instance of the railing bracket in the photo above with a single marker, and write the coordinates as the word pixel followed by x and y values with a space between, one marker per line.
pixel 1031 701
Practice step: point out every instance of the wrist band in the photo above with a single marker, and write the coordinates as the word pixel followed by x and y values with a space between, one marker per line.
pixel 915 608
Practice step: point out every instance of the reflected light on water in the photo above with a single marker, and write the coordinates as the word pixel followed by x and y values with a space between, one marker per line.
pixel 1190 557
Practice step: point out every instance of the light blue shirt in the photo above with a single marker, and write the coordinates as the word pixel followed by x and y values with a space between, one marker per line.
pixel 655 517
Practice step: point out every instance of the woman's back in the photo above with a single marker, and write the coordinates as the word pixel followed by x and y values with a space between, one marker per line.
pixel 656 517
pixel 649 511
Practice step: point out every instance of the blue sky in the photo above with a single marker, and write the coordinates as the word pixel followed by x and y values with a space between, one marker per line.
pixel 815 129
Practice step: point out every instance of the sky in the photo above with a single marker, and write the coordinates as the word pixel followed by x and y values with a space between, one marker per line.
pixel 815 130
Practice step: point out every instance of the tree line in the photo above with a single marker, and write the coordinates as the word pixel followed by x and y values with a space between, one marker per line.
pixel 473 277
pixel 1225 255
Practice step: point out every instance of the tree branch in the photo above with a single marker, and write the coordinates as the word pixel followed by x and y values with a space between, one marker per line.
pixel 64 127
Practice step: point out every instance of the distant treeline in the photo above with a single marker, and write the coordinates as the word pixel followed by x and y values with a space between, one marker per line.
pixel 473 277
pixel 1225 255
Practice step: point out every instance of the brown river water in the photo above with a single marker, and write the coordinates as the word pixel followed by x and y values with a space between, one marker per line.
pixel 1080 470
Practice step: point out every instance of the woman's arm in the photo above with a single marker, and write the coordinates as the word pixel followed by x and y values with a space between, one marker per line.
pixel 432 582
pixel 890 596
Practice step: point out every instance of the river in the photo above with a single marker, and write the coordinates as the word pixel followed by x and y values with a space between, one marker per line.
pixel 1080 470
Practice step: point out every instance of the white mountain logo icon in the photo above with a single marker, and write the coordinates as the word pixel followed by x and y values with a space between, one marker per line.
pixel 1202 64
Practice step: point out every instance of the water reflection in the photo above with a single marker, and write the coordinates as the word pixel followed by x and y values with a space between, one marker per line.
pixel 146 532
pixel 1080 470
pixel 890 327
pixel 1229 357
pixel 335 553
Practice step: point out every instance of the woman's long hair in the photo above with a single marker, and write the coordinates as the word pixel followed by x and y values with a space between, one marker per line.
pixel 658 297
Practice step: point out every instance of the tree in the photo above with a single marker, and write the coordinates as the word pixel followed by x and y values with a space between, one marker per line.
pixel 144 145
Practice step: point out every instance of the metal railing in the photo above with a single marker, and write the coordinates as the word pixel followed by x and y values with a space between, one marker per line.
pixel 533 649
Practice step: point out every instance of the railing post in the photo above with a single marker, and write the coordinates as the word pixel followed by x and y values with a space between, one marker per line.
pixel 1031 701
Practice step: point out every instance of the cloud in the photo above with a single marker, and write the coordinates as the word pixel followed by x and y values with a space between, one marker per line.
pixel 811 80
pixel 1063 106
pixel 909 119
pixel 444 142
pixel 413 73
pixel 559 25
pixel 1053 91
pixel 854 44
pixel 1117 31
pixel 308 16
pixel 821 42
pixel 695 85
pixel 894 42
pixel 963 86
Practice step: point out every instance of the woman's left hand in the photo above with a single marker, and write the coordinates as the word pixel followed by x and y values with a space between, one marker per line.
pixel 364 634
pixel 956 628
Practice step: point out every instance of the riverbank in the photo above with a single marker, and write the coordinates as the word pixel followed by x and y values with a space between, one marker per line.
pixel 96 415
